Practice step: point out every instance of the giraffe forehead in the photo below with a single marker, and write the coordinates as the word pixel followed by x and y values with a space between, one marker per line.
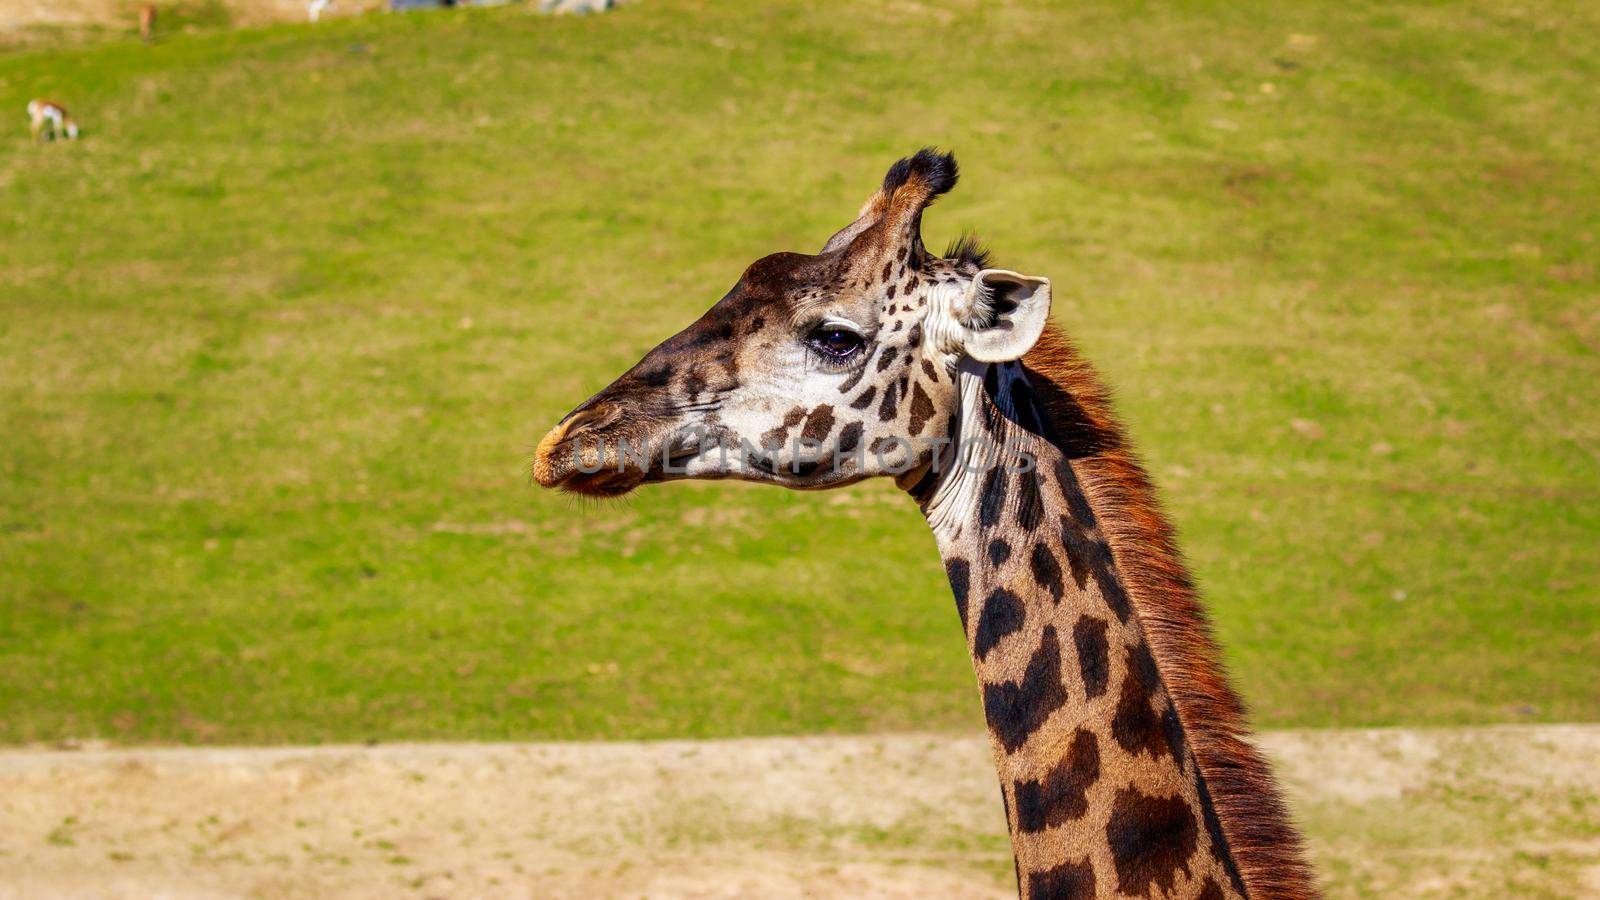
pixel 783 290
pixel 776 274
pixel 889 289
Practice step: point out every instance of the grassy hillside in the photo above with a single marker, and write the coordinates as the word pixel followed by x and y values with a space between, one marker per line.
pixel 277 336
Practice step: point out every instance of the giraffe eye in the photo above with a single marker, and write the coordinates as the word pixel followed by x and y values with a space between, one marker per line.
pixel 835 342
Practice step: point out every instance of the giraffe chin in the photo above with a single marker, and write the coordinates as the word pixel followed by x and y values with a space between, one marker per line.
pixel 604 484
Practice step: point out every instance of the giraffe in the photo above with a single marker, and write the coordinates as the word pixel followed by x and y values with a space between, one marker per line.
pixel 1125 763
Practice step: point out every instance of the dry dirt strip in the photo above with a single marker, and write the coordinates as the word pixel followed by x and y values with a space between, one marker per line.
pixel 1490 812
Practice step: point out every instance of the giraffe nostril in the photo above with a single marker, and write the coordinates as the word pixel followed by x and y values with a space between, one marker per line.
pixel 592 418
pixel 553 459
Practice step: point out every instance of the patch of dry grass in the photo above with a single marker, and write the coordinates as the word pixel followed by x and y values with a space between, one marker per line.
pixel 1469 813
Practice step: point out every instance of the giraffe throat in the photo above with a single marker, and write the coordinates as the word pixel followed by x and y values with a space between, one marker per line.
pixel 1103 793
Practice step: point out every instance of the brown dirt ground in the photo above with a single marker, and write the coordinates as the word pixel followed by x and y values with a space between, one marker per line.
pixel 1490 812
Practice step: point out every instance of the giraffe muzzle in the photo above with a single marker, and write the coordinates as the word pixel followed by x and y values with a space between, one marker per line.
pixel 581 454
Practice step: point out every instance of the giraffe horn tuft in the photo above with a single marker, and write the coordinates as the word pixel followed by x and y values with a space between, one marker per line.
pixel 895 209
pixel 925 176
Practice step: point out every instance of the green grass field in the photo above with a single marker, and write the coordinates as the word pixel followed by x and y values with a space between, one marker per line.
pixel 277 336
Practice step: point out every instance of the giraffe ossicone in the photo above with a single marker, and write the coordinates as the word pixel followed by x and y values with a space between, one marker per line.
pixel 1124 759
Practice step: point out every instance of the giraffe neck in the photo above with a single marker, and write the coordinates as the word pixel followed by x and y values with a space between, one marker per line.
pixel 1103 791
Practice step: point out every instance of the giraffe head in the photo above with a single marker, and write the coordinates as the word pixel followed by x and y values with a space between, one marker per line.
pixel 814 371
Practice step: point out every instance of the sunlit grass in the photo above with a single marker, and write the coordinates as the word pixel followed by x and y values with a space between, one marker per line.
pixel 277 335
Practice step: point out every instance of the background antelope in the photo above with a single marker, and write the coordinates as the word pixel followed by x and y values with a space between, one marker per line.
pixel 47 117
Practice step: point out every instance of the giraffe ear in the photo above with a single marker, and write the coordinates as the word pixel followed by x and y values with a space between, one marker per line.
pixel 1005 314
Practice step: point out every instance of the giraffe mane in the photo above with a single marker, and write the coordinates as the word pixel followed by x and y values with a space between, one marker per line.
pixel 1266 848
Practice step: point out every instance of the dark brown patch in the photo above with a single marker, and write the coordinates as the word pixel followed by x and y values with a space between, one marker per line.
pixel 657 377
pixel 1062 796
pixel 993 499
pixel 1016 709
pixel 1212 891
pixel 1046 571
pixel 1140 660
pixel 819 424
pixel 850 437
pixel 1030 509
pixel 865 400
pixel 1068 881
pixel 1077 503
pixel 706 333
pixel 1002 615
pixel 889 408
pixel 921 409
pixel 1136 726
pixel 1094 657
pixel 999 552
pixel 960 582
pixel 1076 545
pixel 1103 566
pixel 1151 840
pixel 1173 729
pixel 775 438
